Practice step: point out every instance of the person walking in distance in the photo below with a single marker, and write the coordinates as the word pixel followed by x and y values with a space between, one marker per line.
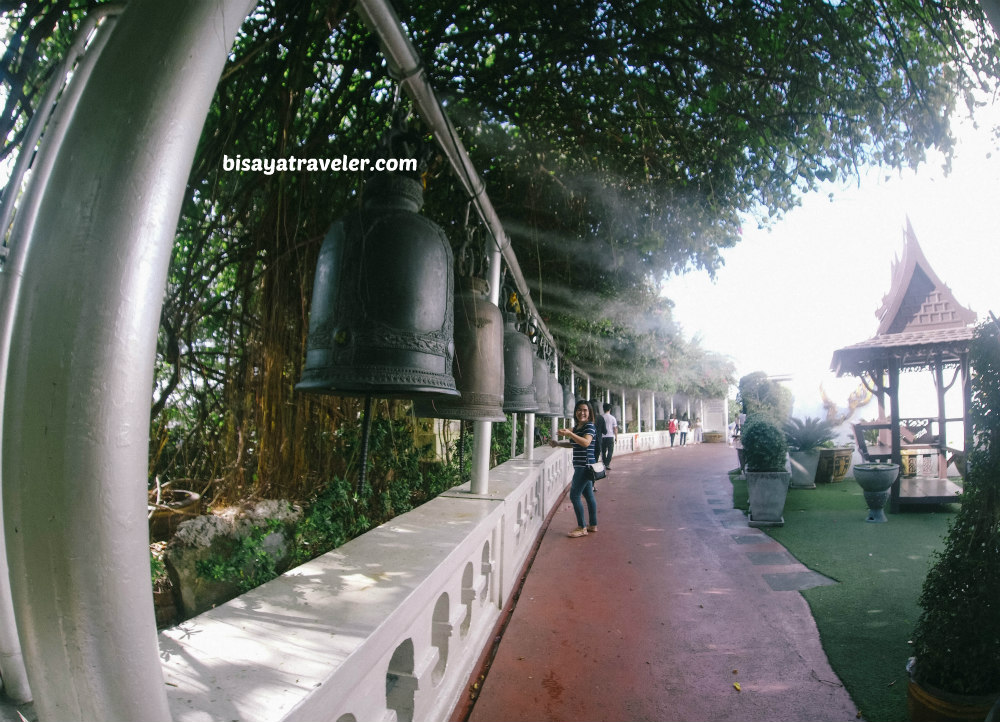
pixel 581 439
pixel 672 428
pixel 611 433
pixel 682 427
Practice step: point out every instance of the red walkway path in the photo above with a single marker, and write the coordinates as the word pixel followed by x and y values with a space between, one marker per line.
pixel 656 616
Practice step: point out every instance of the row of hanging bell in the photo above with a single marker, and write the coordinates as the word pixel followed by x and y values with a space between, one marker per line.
pixel 479 360
pixel 526 382
pixel 385 322
pixel 569 401
pixel 519 371
pixel 547 390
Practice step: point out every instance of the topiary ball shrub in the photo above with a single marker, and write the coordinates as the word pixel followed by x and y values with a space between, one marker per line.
pixel 764 445
pixel 956 641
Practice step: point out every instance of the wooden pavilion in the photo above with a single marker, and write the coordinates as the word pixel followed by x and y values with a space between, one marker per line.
pixel 921 327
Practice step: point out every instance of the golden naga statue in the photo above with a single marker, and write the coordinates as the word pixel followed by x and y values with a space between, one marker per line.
pixel 857 398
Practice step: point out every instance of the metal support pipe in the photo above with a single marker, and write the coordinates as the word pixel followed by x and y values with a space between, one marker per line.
pixel 624 418
pixel 82 44
pixel 555 419
pixel 76 413
pixel 513 435
pixel 529 436
pixel 405 65
pixel 52 119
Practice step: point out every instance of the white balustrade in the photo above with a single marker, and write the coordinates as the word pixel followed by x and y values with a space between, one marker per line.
pixel 388 627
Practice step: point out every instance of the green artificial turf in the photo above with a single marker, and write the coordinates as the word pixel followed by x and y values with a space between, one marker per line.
pixel 865 621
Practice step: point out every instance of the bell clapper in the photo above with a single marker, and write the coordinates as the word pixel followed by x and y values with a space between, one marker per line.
pixel 366 427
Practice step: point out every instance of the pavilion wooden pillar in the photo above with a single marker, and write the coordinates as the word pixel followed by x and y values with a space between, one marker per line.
pixel 897 455
pixel 966 410
pixel 942 441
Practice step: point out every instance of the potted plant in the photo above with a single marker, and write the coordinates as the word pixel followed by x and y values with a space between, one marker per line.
pixel 955 671
pixel 804 437
pixel 168 507
pixel 834 462
pixel 766 454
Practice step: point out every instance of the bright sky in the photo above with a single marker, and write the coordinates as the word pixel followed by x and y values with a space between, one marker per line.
pixel 789 297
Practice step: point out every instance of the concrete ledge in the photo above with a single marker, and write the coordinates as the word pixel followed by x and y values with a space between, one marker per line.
pixel 386 627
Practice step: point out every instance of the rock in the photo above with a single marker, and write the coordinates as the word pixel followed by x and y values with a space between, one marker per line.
pixel 216 540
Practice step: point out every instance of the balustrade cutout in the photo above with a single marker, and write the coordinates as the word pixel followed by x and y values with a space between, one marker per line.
pixel 520 523
pixel 468 596
pixel 400 683
pixel 441 630
pixel 487 570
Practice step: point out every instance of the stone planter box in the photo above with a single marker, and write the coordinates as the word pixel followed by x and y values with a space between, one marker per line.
pixel 767 491
pixel 804 465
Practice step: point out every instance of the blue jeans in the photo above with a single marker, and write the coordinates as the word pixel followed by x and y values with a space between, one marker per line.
pixel 582 486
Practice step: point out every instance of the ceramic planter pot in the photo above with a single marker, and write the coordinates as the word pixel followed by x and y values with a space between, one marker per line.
pixel 876 480
pixel 928 704
pixel 767 491
pixel 176 505
pixel 833 465
pixel 804 465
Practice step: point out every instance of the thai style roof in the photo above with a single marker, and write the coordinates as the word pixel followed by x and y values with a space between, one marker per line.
pixel 920 321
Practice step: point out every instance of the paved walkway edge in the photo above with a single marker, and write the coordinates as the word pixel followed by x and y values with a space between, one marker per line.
pixel 467 702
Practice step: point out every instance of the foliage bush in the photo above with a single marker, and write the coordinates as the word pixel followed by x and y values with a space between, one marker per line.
pixel 249 563
pixel 398 481
pixel 808 433
pixel 764 445
pixel 957 637
pixel 760 396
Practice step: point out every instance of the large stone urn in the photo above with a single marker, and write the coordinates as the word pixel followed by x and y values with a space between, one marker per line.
pixel 767 491
pixel 803 465
pixel 876 481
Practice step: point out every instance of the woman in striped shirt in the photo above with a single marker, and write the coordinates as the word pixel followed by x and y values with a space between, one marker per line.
pixel 581 440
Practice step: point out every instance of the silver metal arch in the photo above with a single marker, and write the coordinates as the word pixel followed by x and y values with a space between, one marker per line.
pixel 76 409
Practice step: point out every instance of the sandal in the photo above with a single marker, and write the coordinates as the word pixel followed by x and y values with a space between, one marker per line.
pixel 578 532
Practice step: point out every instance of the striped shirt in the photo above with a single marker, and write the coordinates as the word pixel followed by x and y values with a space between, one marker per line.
pixel 582 456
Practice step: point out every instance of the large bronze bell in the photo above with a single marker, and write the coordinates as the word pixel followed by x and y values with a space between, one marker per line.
pixel 556 395
pixel 478 370
pixel 518 370
pixel 541 381
pixel 381 321
pixel 569 401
